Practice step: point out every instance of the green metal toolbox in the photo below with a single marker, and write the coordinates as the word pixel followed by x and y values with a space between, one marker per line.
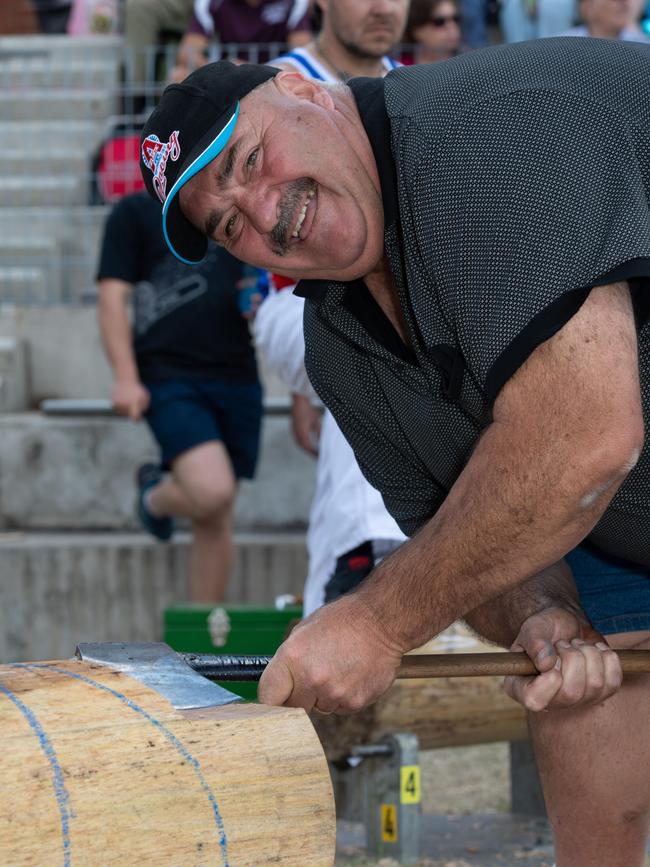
pixel 230 629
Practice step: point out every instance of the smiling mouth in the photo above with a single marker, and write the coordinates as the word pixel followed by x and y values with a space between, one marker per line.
pixel 302 214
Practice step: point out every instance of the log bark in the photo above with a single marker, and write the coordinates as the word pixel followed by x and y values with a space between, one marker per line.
pixel 98 769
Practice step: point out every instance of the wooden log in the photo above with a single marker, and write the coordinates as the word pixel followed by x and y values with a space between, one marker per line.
pixel 442 712
pixel 98 769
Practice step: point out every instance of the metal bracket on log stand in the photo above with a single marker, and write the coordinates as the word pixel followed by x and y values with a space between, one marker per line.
pixel 380 786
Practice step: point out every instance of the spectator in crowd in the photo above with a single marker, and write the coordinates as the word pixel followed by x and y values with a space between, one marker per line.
pixel 609 19
pixel 433 30
pixel 144 22
pixel 533 19
pixel 188 367
pixel 354 38
pixel 252 25
pixel 474 15
pixel 52 15
pixel 349 528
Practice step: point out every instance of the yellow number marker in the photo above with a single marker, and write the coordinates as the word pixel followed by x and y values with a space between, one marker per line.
pixel 410 784
pixel 389 823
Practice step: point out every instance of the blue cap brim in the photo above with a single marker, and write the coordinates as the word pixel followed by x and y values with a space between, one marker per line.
pixel 185 241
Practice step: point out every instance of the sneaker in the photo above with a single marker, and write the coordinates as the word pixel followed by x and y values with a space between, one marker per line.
pixel 147 477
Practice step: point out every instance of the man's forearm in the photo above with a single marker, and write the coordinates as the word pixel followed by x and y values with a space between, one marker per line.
pixel 564 435
pixel 117 336
pixel 506 519
pixel 499 620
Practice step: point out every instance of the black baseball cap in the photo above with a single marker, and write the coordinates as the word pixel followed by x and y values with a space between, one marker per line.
pixel 188 128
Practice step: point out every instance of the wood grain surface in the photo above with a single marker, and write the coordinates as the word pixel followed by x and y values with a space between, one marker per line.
pixel 97 769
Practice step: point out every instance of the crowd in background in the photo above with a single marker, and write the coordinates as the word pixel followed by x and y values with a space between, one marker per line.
pixel 436 29
pixel 185 361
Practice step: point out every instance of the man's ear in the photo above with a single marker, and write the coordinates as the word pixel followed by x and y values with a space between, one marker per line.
pixel 295 84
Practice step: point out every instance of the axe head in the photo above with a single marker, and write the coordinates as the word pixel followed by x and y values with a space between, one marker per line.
pixel 160 668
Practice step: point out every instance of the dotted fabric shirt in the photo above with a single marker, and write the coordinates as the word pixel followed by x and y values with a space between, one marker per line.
pixel 514 180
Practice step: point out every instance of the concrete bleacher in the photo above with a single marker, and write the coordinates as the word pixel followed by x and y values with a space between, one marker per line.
pixel 75 473
pixel 58 98
pixel 73 564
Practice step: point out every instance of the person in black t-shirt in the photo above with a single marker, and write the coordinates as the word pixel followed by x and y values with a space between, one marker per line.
pixel 186 365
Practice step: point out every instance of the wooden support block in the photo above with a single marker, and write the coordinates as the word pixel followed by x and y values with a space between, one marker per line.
pixel 442 712
pixel 98 769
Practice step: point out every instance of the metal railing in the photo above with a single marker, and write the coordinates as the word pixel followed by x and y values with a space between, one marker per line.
pixel 62 99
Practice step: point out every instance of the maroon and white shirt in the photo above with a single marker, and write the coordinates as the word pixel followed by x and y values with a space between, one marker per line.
pixel 271 21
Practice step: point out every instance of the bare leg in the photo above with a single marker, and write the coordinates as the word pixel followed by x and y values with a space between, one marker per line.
pixel 202 487
pixel 211 558
pixel 595 769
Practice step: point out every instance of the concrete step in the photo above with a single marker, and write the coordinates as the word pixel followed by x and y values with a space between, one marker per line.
pixel 69 225
pixel 21 250
pixel 14 379
pixel 33 161
pixel 62 48
pixel 65 104
pixel 76 367
pixel 68 473
pixel 76 229
pixel 24 284
pixel 43 72
pixel 35 135
pixel 59 589
pixel 42 190
pixel 40 253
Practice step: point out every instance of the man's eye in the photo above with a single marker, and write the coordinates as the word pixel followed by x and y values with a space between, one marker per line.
pixel 230 226
pixel 252 158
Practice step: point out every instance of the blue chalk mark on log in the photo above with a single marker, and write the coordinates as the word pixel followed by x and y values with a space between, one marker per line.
pixel 171 737
pixel 60 791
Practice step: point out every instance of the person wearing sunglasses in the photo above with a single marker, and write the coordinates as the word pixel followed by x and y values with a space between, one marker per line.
pixel 433 31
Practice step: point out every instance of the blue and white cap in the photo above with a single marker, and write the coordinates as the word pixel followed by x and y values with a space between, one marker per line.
pixel 188 128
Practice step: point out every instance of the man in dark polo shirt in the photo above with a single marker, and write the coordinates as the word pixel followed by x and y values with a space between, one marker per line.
pixel 477 242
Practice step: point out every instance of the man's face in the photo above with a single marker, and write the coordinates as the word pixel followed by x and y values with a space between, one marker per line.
pixel 367 28
pixel 441 33
pixel 295 190
pixel 607 16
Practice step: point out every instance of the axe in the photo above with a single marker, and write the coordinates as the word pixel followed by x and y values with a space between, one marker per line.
pixel 250 668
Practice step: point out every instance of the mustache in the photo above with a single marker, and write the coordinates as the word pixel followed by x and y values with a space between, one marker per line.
pixel 293 196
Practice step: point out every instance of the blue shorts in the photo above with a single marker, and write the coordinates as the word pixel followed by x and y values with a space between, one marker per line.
pixel 614 594
pixel 184 413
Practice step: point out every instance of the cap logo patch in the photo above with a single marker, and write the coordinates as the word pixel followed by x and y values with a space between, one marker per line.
pixel 155 154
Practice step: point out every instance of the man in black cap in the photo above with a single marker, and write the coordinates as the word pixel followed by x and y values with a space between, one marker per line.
pixel 476 240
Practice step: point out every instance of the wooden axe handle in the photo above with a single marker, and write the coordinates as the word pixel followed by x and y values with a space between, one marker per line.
pixel 481 664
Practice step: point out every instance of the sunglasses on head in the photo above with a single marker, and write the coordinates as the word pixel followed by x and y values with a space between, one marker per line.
pixel 440 20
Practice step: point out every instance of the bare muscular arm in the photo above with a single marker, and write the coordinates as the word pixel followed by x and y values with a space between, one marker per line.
pixel 567 429
pixel 500 619
pixel 129 396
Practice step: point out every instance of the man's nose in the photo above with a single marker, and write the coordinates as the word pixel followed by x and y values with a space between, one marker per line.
pixel 260 205
pixel 383 7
